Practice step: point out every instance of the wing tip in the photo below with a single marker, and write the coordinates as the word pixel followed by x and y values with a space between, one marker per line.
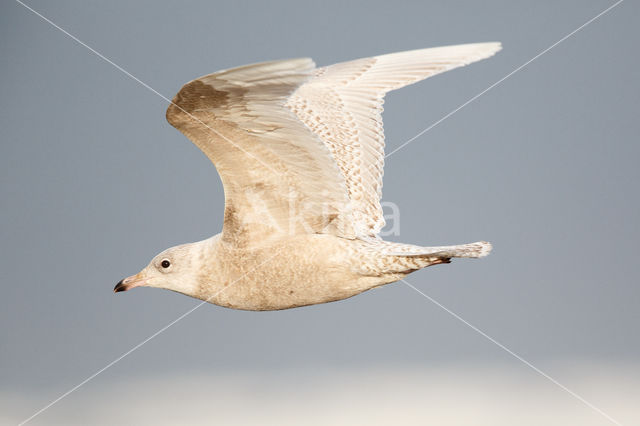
pixel 492 47
pixel 482 50
pixel 457 54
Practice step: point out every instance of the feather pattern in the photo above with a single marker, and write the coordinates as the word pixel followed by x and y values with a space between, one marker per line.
pixel 342 104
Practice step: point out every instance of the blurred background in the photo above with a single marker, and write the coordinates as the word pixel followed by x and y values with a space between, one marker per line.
pixel 94 182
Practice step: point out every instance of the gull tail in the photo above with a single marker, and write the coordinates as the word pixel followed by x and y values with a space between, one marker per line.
pixel 477 249
pixel 408 258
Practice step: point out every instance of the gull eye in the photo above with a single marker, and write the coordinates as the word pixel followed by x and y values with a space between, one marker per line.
pixel 165 264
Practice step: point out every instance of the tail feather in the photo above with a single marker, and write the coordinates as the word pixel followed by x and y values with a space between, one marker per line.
pixel 477 249
pixel 474 250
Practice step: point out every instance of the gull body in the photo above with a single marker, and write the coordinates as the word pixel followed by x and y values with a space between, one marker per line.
pixel 300 152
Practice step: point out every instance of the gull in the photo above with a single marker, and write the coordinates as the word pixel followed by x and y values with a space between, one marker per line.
pixel 300 152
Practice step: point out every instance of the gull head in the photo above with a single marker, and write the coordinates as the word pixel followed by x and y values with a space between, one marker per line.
pixel 176 269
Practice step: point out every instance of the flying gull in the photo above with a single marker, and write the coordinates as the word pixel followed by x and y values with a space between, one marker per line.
pixel 300 152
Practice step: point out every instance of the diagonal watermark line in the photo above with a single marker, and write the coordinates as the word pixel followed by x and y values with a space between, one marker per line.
pixel 91 377
pixel 133 77
pixel 503 79
pixel 515 355
pixel 139 345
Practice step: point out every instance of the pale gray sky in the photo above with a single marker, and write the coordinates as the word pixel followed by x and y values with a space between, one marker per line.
pixel 94 183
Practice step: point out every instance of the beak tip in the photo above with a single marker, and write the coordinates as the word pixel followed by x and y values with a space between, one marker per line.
pixel 119 287
pixel 129 283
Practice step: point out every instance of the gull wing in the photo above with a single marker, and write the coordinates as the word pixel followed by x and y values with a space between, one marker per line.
pixel 278 176
pixel 342 104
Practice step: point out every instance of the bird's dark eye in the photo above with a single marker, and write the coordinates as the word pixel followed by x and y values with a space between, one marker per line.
pixel 165 264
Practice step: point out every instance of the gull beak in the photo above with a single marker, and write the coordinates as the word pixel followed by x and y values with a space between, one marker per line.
pixel 129 283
